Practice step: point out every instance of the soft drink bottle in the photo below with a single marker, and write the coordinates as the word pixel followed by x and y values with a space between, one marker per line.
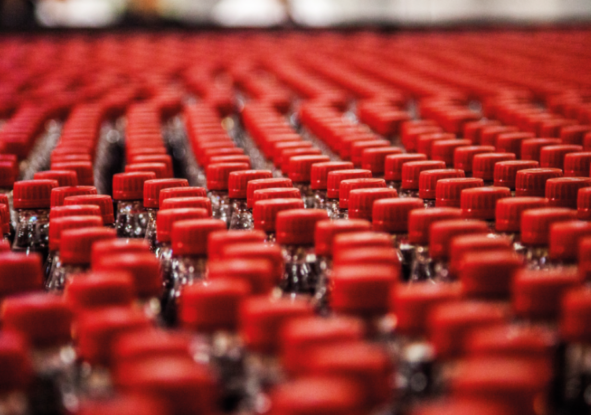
pixel 469 244
pixel 254 185
pixel 128 194
pixel 374 160
pixel 259 274
pixel 241 215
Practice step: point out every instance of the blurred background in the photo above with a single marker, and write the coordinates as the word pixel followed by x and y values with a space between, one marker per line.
pixel 18 14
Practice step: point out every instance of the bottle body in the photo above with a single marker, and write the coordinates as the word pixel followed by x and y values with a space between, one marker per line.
pixel 221 207
pixel 405 251
pixel 422 268
pixel 321 200
pixel 332 208
pixel 241 217
pixel 308 195
pixel 132 219
pixel 32 231
pixel 262 373
pixel 151 228
pixel 184 270
pixel 301 272
pixel 577 378
pixel 324 267
pixel 408 193
pixel 61 273
pixel 537 257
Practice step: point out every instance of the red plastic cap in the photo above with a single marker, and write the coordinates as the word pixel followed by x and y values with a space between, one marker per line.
pixel 420 220
pixel 319 172
pixel 489 274
pixel 411 172
pixel 326 231
pixel 489 135
pixel 530 148
pixel 15 364
pixel 361 201
pixel 462 245
pixel 288 154
pixel 98 330
pixel 425 142
pixel 448 192
pixel 44 319
pixel 159 169
pixel 166 219
pixel 363 256
pixel 393 165
pixel 235 158
pixel 563 191
pixel 275 193
pixel 464 156
pixel 483 165
pixel 218 241
pixel 573 134
pixel 238 181
pixel 177 192
pixel 565 237
pixel 473 129
pixel 346 186
pixel 59 194
pixel 444 150
pixel 265 211
pixel 413 303
pixel 155 158
pixel 122 405
pixel 257 273
pixel 213 306
pixel 536 294
pixel 374 159
pixel 83 170
pixel 481 202
pixel 428 180
pixel 584 203
pixel 577 164
pixel 117 246
pixel 63 177
pixel 219 174
pixel 143 267
pixel 506 171
pixel 532 182
pixel 575 315
pixel 460 407
pixel 254 185
pixel 535 223
pixel 5 219
pixel 302 336
pixel 8 174
pixel 356 240
pixel 130 186
pixel 104 202
pixel 509 210
pixel 152 190
pixel 391 215
pixel 443 232
pixel 553 156
pixel 33 194
pixel 189 235
pixel 76 244
pixel 75 210
pixel 511 142
pixel 450 324
pixel 262 318
pixel 333 182
pixel 300 167
pixel 296 226
pixel 99 289
pixel 58 225
pixel 358 147
pixel 260 253
pixel 410 133
pixel 187 202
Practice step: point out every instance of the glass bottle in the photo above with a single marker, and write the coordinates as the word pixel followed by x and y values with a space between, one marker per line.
pixel 217 185
pixel 265 213
pixel 241 215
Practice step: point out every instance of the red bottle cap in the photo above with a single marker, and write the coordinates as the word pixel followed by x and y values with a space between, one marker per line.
pixel 75 210
pixel 575 315
pixel 464 156
pixel 584 203
pixel 509 210
pixel 532 182
pixel 254 185
pixel 99 329
pixel 276 148
pixel 327 230
pixel 98 290
pixel 238 181
pixel 463 245
pixel 258 274
pixel 143 267
pixel 577 164
pixel 189 237
pixel 83 170
pixel 573 134
pixel 374 159
pixel 336 177
pixel 444 150
pixel 448 191
pixel 104 202
pixel 166 219
pixel 511 142
pixel 410 134
pixel 178 192
pixel 357 240
pixel 300 337
pixel 130 186
pixel 296 226
pixel 27 267
pixel 262 319
pixel 214 306
pixel 317 395
pixel 276 193
pixel 155 158
pixel 473 129
pixel 44 319
pixel 8 174
pixel 63 177
pixel 319 172
pixel 236 158
pixel 459 407
pixel 483 165
pixel 443 232
pixel 33 194
pixel 257 252
pixel 488 275
pixel 565 237
pixel 152 190
pixel 346 186
pixel 361 201
pixel 412 170
pixel 365 364
pixel 506 171
pixel 563 191
pixel 553 156
pixel 187 202
pixel 425 142
pixel 117 246
pixel 58 225
pixel 59 194
pixel 489 135
pixel 537 293
pixel 265 211
pixel 218 241
pixel 428 180
pixel 452 323
pixel 535 223
pixel 358 147
pixel 531 148
pixel 300 167
pixel 480 202
pixel 420 220
pixel 5 219
pixel 413 303
pixel 210 153
pixel 218 174
pixel 76 244
pixel 159 169
pixel 364 256
pixel 391 215
pixel 15 364
pixel 394 162
pixel 287 154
